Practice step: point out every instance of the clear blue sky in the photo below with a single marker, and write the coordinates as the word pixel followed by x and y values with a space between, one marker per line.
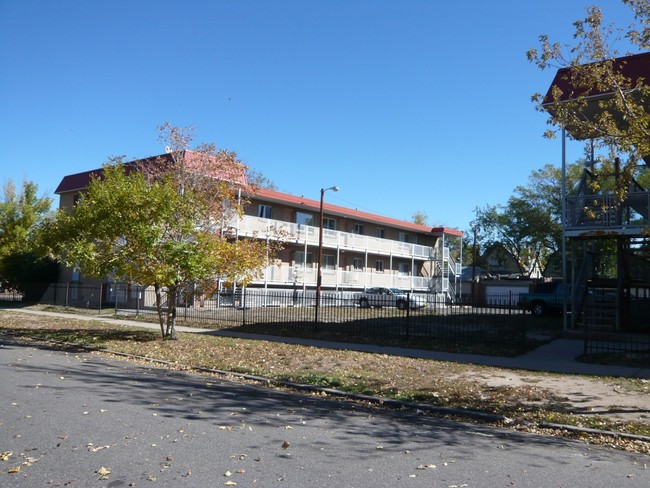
pixel 406 105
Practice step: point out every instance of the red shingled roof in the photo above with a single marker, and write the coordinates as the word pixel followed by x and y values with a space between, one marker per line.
pixel 314 205
pixel 79 181
pixel 633 67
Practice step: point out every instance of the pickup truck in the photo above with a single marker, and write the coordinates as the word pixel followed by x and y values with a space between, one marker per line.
pixel 544 298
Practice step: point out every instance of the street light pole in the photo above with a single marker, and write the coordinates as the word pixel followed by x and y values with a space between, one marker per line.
pixel 319 276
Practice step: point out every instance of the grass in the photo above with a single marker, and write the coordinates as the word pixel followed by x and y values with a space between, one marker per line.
pixel 436 383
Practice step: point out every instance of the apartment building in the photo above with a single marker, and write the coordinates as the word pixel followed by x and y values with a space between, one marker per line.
pixel 359 250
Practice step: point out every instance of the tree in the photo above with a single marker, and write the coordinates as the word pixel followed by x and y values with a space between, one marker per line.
pixel 257 179
pixel 162 223
pixel 23 264
pixel 420 218
pixel 594 98
pixel 507 226
pixel 528 226
pixel 21 214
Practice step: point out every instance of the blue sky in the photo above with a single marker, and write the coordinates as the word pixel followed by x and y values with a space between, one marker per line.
pixel 406 105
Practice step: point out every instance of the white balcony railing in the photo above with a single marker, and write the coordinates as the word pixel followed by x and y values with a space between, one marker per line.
pixel 249 226
pixel 286 275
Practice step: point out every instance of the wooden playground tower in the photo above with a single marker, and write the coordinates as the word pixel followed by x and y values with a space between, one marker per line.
pixel 606 234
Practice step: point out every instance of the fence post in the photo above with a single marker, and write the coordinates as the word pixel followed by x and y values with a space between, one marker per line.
pixel 408 314
pixel 243 306
pixel 67 292
pixel 137 300
pixel 185 304
pixel 101 289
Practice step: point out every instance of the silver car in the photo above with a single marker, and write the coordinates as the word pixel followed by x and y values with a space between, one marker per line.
pixel 389 297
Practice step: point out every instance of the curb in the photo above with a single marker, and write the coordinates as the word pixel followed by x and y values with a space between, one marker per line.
pixel 395 404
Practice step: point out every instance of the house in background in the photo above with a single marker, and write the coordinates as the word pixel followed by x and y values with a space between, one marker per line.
pixel 502 263
pixel 360 249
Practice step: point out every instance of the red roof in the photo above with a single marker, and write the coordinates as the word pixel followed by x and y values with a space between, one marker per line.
pixel 79 181
pixel 314 205
pixel 633 67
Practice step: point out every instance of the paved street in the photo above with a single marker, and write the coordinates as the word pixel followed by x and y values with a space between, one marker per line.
pixel 66 415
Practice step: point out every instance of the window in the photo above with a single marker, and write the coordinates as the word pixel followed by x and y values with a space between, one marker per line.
pixel 264 211
pixel 379 266
pixel 404 269
pixel 299 258
pixel 303 218
pixel 357 264
pixel 329 223
pixel 357 229
pixel 380 232
pixel 404 237
pixel 328 261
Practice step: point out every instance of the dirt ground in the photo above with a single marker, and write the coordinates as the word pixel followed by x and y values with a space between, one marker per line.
pixel 604 397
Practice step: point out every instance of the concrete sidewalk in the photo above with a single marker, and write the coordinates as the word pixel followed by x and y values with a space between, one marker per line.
pixel 558 356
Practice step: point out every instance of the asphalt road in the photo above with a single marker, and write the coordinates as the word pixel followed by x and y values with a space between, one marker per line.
pixel 66 415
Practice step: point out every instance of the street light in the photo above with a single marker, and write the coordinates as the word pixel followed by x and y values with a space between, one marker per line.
pixel 319 277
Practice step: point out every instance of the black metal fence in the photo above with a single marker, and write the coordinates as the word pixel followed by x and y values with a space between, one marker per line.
pixel 494 326
pixel 75 295
pixel 628 342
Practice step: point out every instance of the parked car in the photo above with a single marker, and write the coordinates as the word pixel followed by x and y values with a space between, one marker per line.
pixel 390 297
pixel 544 298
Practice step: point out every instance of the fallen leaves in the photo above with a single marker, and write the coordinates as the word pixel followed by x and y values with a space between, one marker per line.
pixel 92 448
pixel 103 473
pixel 5 455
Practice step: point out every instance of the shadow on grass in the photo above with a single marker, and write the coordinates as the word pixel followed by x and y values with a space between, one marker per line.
pixel 85 337
pixel 491 341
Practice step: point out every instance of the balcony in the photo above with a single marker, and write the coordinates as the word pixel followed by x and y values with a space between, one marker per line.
pixel 285 275
pixel 249 226
pixel 600 215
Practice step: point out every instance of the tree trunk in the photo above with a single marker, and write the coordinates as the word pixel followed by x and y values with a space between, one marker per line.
pixel 172 296
pixel 159 309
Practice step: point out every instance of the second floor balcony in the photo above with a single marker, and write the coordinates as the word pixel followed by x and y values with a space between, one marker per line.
pixel 261 228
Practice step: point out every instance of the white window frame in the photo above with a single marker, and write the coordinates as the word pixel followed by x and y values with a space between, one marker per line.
pixel 379 266
pixel 304 218
pixel 264 211
pixel 299 258
pixel 329 223
pixel 329 262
